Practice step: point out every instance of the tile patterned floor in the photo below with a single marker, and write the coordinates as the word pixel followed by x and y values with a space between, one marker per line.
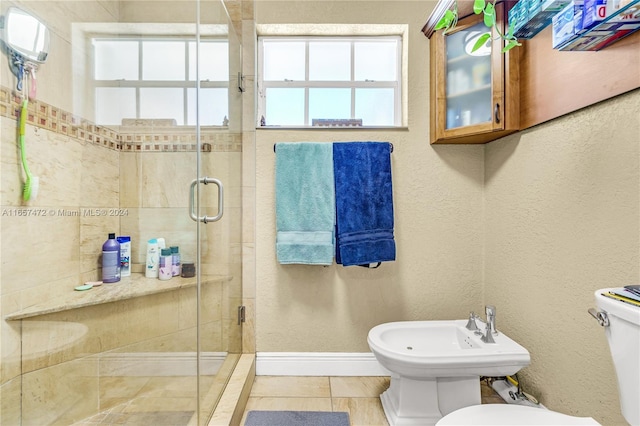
pixel 170 401
pixel 358 396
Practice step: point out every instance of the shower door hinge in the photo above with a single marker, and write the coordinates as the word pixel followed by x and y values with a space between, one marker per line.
pixel 240 82
pixel 241 317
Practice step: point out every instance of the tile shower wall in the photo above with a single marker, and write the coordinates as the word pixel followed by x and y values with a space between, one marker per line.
pixel 156 197
pixel 84 167
pixel 52 249
pixel 41 254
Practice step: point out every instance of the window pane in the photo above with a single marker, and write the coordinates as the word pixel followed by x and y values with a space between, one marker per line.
pixel 284 60
pixel 116 60
pixel 214 107
pixel 285 107
pixel 115 103
pixel 214 61
pixel 375 107
pixel 376 60
pixel 330 61
pixel 163 60
pixel 162 103
pixel 329 103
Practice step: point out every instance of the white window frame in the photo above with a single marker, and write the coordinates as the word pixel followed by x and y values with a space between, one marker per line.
pixel 140 83
pixel 353 84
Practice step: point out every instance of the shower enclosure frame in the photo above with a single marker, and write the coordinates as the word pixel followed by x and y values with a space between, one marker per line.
pixel 39 308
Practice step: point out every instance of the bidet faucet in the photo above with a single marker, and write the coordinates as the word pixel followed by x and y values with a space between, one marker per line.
pixel 490 311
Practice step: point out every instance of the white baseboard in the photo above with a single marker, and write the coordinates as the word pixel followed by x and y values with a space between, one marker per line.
pixel 159 363
pixel 318 364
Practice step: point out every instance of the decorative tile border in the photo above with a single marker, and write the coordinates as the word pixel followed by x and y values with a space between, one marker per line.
pixel 129 139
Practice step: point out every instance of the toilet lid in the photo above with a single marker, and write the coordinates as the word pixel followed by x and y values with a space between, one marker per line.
pixel 510 414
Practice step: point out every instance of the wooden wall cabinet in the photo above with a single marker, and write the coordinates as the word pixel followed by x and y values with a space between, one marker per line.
pixel 539 83
pixel 474 96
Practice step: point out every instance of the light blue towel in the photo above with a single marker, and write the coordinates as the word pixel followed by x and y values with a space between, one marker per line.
pixel 305 203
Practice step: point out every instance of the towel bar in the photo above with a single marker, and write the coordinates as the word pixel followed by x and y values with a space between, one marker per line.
pixel 274 147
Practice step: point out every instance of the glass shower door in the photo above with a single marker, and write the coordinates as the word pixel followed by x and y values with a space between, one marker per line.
pixel 219 215
pixel 116 135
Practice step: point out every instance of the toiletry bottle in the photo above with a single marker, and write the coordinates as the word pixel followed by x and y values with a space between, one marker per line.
pixel 151 270
pixel 175 260
pixel 111 260
pixel 165 264
pixel 188 270
pixel 125 255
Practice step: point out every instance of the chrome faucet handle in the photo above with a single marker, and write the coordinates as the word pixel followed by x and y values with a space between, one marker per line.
pixel 488 335
pixel 471 324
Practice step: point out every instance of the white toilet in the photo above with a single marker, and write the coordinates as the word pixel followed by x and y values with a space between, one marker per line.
pixel 622 327
pixel 510 414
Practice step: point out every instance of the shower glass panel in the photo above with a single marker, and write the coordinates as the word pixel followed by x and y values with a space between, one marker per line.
pixel 118 129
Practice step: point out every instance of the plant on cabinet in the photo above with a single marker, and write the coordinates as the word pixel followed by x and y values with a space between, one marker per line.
pixel 488 9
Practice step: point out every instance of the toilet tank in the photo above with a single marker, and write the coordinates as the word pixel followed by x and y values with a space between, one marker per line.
pixel 623 335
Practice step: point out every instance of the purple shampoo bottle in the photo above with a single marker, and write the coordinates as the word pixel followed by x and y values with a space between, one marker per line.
pixel 111 260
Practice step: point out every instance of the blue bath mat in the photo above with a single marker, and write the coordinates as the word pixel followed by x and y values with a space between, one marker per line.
pixel 297 418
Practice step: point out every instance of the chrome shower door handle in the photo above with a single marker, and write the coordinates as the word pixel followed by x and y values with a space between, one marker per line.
pixel 205 218
pixel 206 181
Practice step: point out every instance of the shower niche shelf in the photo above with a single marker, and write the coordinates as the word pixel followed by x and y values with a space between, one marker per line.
pixel 137 285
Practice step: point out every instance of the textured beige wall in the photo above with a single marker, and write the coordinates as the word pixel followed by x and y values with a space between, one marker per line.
pixel 554 216
pixel 562 209
pixel 438 216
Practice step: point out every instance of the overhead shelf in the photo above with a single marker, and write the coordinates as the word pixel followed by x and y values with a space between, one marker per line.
pixel 609 31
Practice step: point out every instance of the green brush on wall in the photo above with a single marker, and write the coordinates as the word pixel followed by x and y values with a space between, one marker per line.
pixel 30 190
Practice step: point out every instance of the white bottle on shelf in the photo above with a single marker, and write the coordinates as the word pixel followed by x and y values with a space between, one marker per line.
pixel 151 270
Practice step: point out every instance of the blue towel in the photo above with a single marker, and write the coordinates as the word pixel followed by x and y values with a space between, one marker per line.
pixel 364 203
pixel 305 203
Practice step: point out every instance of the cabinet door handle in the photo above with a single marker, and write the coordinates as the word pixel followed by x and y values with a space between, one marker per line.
pixel 496 113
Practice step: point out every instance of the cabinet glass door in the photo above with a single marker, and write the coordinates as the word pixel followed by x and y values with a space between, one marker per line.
pixel 468 77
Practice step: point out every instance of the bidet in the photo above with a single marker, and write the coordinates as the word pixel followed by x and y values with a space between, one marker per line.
pixel 436 367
